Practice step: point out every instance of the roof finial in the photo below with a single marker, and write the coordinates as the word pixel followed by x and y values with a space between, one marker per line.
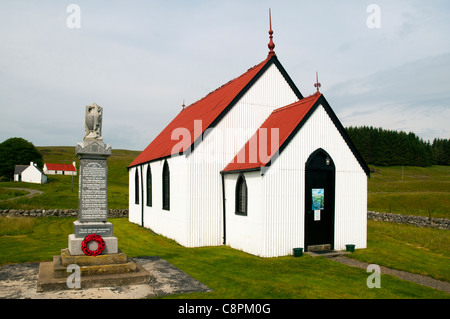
pixel 183 104
pixel 317 85
pixel 271 44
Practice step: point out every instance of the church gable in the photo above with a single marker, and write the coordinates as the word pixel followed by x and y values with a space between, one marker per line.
pixel 280 127
pixel 208 111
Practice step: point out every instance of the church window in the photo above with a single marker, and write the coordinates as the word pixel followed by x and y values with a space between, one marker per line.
pixel 136 187
pixel 241 196
pixel 149 186
pixel 166 186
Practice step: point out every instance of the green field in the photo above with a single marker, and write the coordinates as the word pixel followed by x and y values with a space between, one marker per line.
pixel 6 193
pixel 235 274
pixel 423 191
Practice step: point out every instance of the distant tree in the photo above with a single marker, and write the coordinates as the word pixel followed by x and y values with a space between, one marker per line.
pixel 441 151
pixel 17 151
pixel 388 148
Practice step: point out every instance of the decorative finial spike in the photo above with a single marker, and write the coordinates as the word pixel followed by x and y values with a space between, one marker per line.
pixel 270 19
pixel 317 85
pixel 183 104
pixel 271 44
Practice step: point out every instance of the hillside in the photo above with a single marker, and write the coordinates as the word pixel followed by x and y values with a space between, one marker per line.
pixel 410 190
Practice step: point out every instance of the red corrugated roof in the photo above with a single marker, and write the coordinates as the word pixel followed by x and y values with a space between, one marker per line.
pixel 284 120
pixel 207 110
pixel 60 167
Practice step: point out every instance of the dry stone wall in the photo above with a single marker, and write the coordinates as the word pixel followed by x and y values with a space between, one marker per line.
pixel 112 213
pixel 421 221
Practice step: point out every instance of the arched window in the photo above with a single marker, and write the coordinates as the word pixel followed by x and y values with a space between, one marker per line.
pixel 166 187
pixel 136 187
pixel 149 186
pixel 241 196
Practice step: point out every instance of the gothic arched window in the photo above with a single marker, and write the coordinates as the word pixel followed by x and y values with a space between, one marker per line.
pixel 166 187
pixel 149 186
pixel 241 196
pixel 136 187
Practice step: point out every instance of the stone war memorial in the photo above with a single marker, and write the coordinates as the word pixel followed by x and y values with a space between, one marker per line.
pixel 92 258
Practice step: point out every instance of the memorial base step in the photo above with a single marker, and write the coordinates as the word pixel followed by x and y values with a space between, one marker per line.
pixel 108 271
pixel 90 265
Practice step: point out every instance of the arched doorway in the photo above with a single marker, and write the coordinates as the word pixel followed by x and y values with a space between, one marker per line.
pixel 319 201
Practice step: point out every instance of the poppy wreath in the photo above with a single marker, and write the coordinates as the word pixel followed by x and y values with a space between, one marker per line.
pixel 87 240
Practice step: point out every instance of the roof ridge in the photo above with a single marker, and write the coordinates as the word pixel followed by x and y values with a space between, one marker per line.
pixel 296 103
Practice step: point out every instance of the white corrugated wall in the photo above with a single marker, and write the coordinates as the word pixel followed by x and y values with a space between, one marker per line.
pixel 171 223
pixel 221 145
pixel 134 212
pixel 280 197
pixel 284 188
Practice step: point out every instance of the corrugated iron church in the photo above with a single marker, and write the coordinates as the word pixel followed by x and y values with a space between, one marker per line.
pixel 254 165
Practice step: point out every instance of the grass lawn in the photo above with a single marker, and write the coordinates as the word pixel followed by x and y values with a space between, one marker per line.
pixel 234 274
pixel 424 251
pixel 6 193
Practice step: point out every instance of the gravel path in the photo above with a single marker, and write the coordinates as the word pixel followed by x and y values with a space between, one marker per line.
pixel 31 193
pixel 420 279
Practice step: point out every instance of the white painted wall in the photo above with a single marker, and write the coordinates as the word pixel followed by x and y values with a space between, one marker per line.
pixel 280 195
pixel 170 223
pixel 246 233
pixel 221 145
pixel 134 212
pixel 196 187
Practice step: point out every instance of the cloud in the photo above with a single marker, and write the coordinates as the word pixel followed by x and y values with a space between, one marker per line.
pixel 140 60
pixel 413 97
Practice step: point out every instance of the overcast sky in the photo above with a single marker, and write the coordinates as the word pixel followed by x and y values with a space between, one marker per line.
pixel 140 59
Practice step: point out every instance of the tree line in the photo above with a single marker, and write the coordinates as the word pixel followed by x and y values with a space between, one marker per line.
pixel 390 148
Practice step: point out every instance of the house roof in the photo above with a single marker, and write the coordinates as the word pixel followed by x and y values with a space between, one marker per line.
pixel 60 167
pixel 18 169
pixel 288 119
pixel 209 110
pixel 272 135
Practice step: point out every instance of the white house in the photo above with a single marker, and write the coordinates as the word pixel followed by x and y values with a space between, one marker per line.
pixel 60 169
pixel 29 174
pixel 254 165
